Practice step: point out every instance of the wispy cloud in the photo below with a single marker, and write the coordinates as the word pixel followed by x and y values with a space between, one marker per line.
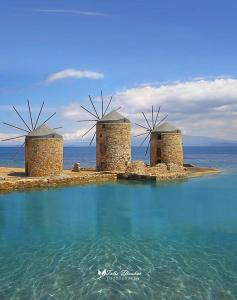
pixel 73 12
pixel 5 107
pixel 169 82
pixel 73 73
pixel 211 77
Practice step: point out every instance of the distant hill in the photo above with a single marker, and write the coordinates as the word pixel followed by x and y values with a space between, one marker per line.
pixel 189 140
pixel 206 141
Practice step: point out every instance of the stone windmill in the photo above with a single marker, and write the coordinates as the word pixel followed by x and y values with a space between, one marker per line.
pixel 113 137
pixel 165 140
pixel 43 146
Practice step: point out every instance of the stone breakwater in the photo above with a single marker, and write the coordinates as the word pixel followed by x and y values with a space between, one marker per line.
pixel 12 179
pixel 138 170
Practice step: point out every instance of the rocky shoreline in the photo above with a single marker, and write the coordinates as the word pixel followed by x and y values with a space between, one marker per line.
pixel 163 172
pixel 13 179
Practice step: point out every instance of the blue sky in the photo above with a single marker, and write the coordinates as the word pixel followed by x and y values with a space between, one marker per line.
pixel 174 53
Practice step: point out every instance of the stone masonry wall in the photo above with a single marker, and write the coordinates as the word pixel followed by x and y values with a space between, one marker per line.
pixel 168 149
pixel 137 170
pixel 113 146
pixel 44 157
pixel 136 167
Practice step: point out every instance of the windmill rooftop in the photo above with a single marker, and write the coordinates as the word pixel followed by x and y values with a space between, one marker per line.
pixel 166 127
pixel 43 131
pixel 114 117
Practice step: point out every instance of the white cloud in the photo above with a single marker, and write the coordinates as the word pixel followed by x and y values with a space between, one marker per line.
pixel 72 111
pixel 76 135
pixel 72 12
pixel 202 108
pixel 183 97
pixel 73 73
pixel 198 107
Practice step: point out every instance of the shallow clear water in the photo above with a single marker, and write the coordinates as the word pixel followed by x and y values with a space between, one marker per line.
pixel 181 237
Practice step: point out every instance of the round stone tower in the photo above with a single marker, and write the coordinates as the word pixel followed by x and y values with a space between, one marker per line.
pixel 166 145
pixel 43 152
pixel 113 142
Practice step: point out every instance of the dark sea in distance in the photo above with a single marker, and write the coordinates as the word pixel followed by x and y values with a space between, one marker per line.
pixel 205 156
pixel 179 236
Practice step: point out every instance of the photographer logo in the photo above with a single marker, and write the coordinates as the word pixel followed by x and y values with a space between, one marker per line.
pixel 118 275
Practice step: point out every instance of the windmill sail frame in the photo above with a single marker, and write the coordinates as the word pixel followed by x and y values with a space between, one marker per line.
pixel 150 126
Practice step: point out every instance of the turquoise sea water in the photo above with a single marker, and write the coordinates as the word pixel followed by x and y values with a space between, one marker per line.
pixel 180 237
